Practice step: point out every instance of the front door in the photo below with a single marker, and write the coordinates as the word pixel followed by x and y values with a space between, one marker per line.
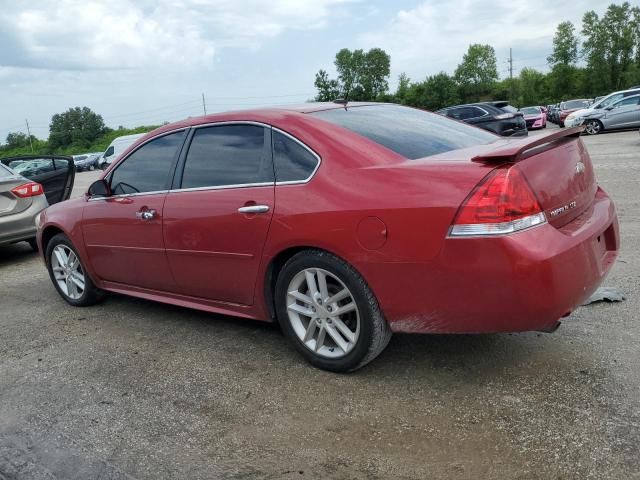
pixel 217 218
pixel 625 113
pixel 123 233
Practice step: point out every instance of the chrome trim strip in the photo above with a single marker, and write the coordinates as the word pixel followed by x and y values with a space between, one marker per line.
pixel 126 195
pixel 223 187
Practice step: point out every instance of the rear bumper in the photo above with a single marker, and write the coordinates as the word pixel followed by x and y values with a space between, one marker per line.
pixel 22 226
pixel 520 282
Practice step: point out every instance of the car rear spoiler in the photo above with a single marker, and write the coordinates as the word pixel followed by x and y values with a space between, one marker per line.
pixel 513 151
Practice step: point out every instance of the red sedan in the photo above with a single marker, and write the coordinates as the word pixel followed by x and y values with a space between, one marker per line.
pixel 342 223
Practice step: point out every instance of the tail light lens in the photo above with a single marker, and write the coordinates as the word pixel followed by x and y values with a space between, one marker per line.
pixel 504 116
pixel 31 189
pixel 502 203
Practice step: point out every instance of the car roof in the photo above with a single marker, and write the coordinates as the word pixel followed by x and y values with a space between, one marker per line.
pixel 267 115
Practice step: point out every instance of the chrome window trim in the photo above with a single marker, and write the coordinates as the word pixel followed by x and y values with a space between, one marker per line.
pixel 223 187
pixel 125 195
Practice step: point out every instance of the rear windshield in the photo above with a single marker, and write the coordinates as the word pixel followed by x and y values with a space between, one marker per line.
pixel 407 131
pixel 508 108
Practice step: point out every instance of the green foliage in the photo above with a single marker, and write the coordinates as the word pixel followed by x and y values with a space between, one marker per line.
pixel 20 140
pixel 76 127
pixel 43 147
pixel 362 76
pixel 477 73
pixel 565 46
pixel 435 92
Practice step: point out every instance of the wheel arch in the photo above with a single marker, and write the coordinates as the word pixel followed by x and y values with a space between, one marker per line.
pixel 275 267
pixel 48 233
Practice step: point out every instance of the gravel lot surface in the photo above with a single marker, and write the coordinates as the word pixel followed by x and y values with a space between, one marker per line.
pixel 134 389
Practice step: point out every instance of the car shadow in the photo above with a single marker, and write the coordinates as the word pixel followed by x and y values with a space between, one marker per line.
pixel 476 357
pixel 16 253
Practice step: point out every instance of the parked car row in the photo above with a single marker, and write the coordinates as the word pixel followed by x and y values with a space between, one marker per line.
pixel 614 111
pixel 498 117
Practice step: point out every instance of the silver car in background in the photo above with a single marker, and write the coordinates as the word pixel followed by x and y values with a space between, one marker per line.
pixel 624 113
pixel 28 185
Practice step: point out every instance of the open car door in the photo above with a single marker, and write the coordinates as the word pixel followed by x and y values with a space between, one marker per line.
pixel 55 173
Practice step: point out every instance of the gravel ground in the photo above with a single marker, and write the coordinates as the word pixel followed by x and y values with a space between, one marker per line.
pixel 134 389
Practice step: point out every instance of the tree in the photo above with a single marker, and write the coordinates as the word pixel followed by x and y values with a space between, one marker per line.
pixel 19 140
pixel 361 76
pixel 435 92
pixel 328 89
pixel 404 83
pixel 77 126
pixel 608 47
pixel 478 72
pixel 565 46
pixel 532 87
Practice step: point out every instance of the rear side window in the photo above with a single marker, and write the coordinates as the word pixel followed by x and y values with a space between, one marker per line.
pixel 5 172
pixel 149 168
pixel 292 161
pixel 228 155
pixel 409 132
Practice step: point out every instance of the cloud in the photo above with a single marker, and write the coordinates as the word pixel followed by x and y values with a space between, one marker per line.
pixel 434 35
pixel 125 34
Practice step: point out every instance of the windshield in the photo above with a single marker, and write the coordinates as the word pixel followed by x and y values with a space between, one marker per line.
pixel 571 104
pixel 610 100
pixel 530 110
pixel 409 132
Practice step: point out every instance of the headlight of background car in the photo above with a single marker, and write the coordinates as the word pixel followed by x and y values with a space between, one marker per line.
pixel 571 116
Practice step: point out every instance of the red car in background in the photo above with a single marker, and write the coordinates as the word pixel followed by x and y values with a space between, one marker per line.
pixel 534 117
pixel 344 223
pixel 571 106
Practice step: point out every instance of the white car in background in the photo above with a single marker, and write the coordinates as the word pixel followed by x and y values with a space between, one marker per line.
pixel 116 147
pixel 624 113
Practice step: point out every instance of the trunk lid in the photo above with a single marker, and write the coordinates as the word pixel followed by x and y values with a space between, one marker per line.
pixel 558 169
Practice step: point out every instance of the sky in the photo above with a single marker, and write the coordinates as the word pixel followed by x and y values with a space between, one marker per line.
pixel 141 62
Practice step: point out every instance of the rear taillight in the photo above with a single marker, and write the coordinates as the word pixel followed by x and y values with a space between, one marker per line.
pixel 504 116
pixel 30 189
pixel 502 203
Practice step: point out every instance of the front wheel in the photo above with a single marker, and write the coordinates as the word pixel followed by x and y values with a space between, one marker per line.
pixel 592 127
pixel 69 275
pixel 329 312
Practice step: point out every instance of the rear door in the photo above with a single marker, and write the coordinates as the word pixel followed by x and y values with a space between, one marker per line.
pixel 56 174
pixel 217 217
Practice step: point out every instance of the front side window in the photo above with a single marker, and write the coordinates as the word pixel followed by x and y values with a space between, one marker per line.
pixel 292 161
pixel 228 155
pixel 149 168
pixel 627 101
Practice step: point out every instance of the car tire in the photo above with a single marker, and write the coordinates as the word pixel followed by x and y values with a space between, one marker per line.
pixel 561 124
pixel 336 349
pixel 70 278
pixel 593 127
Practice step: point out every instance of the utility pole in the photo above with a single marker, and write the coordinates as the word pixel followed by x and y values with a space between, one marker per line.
pixel 204 105
pixel 29 134
pixel 510 74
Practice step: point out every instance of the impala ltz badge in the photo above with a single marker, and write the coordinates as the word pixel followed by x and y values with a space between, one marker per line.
pixel 565 208
pixel 579 167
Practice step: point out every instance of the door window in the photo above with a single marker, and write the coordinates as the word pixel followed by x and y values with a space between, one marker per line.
pixel 228 155
pixel 149 168
pixel 627 101
pixel 292 161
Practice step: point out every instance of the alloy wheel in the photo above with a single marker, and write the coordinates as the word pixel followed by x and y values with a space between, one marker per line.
pixel 323 313
pixel 592 127
pixel 67 271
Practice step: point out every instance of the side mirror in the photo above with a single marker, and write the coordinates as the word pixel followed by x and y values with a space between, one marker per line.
pixel 99 188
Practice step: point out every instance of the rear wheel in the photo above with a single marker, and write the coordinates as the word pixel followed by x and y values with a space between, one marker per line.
pixel 69 275
pixel 329 313
pixel 593 127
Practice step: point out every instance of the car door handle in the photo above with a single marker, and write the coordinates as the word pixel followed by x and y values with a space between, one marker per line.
pixel 146 214
pixel 254 209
